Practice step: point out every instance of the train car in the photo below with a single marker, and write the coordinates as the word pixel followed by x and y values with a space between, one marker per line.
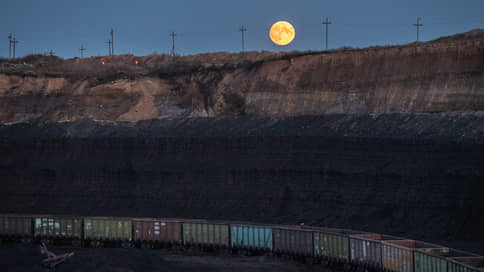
pixel 206 234
pixel 436 260
pixel 398 255
pixel 157 232
pixel 332 244
pixel 292 241
pixel 466 264
pixel 365 249
pixel 250 236
pixel 374 251
pixel 64 229
pixel 104 231
pixel 15 227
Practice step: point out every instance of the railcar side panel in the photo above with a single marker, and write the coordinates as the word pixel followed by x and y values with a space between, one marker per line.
pixel 331 245
pixel 58 227
pixel 438 259
pixel 399 255
pixel 293 241
pixel 206 234
pixel 366 248
pixel 157 230
pixel 428 263
pixel 15 225
pixel 251 236
pixel 466 264
pixel 106 228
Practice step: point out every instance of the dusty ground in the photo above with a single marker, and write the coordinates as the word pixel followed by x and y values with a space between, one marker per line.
pixel 28 258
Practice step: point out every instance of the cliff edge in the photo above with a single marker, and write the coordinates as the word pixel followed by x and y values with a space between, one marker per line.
pixel 438 76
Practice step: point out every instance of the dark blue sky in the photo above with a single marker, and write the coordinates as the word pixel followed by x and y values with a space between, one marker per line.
pixel 142 26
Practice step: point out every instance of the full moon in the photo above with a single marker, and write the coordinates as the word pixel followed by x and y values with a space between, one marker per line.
pixel 282 33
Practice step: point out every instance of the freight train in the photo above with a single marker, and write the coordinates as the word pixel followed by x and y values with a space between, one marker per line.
pixel 330 245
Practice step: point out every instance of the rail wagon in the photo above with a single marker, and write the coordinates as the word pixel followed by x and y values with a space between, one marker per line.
pixel 365 249
pixel 58 228
pixel 293 241
pixel 204 234
pixel 436 260
pixel 255 237
pixel 332 244
pixel 15 226
pixel 161 231
pixel 360 248
pixel 108 230
pixel 466 264
pixel 398 255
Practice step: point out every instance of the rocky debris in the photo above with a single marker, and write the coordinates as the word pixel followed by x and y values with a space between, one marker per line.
pixel 52 260
pixel 25 258
pixel 456 127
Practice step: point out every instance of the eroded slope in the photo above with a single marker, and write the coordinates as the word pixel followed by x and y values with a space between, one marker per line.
pixel 432 77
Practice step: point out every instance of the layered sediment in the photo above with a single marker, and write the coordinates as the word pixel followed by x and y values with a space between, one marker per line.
pixel 386 139
pixel 416 78
pixel 417 176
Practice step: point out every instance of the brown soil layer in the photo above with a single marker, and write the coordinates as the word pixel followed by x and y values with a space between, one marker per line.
pixel 439 76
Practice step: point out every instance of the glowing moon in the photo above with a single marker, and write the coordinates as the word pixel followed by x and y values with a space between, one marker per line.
pixel 282 33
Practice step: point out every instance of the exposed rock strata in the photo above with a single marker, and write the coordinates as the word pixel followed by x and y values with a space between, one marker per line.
pixel 435 77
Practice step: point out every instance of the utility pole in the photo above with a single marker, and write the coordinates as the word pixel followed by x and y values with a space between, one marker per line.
pixel 112 42
pixel 14 42
pixel 82 49
pixel 243 30
pixel 9 45
pixel 173 35
pixel 327 23
pixel 109 42
pixel 418 25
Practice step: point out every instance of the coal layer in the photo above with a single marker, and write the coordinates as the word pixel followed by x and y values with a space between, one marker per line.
pixel 413 175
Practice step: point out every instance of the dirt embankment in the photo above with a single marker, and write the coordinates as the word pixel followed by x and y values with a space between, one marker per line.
pixel 439 76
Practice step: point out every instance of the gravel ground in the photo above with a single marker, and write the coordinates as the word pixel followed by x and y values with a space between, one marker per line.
pixel 457 127
pixel 28 258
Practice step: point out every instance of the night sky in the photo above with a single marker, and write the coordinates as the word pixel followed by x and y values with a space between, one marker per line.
pixel 142 27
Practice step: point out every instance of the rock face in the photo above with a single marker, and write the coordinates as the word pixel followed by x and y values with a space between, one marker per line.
pixel 434 77
pixel 388 140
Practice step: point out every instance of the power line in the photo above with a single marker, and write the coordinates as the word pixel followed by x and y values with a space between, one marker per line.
pixel 112 42
pixel 418 25
pixel 82 49
pixel 327 23
pixel 9 45
pixel 109 42
pixel 14 43
pixel 243 30
pixel 173 35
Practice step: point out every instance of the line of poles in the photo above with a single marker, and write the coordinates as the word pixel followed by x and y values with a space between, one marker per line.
pixel 418 25
pixel 243 29
pixel 12 41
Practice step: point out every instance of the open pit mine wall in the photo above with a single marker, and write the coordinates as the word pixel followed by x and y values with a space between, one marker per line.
pixel 321 171
pixel 436 77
